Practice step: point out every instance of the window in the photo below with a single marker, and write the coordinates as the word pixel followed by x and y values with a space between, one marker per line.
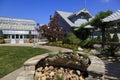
pixel 17 36
pixel 21 36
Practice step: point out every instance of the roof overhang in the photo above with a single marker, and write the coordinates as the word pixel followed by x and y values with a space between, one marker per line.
pixel 114 17
pixel 89 27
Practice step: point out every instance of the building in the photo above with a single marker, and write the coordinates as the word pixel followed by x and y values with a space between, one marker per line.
pixel 70 21
pixel 18 30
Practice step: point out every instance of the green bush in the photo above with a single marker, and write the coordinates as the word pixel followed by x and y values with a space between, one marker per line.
pixel 71 39
pixel 115 38
pixel 98 39
pixel 2 41
pixel 109 37
pixel 1 34
pixel 112 48
pixel 87 43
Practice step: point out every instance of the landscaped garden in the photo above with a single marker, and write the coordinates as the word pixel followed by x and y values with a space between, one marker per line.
pixel 13 57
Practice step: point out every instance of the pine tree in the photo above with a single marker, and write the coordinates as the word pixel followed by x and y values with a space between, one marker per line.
pixel 109 37
pixel 115 38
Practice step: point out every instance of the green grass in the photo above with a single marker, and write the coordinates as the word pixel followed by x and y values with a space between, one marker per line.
pixel 13 57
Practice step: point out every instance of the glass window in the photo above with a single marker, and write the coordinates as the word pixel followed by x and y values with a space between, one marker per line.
pixel 13 36
pixel 21 36
pixel 17 36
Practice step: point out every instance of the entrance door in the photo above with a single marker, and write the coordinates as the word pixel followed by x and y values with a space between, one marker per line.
pixel 13 40
pixel 21 40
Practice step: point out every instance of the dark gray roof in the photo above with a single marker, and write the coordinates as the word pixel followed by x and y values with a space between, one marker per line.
pixel 67 15
pixel 84 10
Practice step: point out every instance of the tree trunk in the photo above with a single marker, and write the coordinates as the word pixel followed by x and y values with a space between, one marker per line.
pixel 103 37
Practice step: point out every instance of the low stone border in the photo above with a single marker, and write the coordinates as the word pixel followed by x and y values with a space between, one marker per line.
pixel 30 64
pixel 97 67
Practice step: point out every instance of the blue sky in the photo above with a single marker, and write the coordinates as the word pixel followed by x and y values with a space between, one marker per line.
pixel 40 10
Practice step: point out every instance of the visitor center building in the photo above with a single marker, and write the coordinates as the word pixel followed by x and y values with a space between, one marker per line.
pixel 18 30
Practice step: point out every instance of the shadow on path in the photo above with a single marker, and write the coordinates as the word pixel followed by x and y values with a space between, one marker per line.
pixel 112 70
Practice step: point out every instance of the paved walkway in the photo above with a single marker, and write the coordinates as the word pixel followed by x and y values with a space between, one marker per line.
pixel 112 70
pixel 13 75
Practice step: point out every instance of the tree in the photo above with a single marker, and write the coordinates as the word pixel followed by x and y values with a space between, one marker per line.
pixel 1 37
pixel 97 23
pixel 1 34
pixel 82 33
pixel 109 39
pixel 53 31
pixel 115 38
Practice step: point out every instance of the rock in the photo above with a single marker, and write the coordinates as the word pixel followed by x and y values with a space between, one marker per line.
pixel 81 78
pixel 97 46
pixel 39 78
pixel 39 69
pixel 109 60
pixel 38 74
pixel 94 51
pixel 52 74
pixel 78 72
pixel 71 71
pixel 51 67
pixel 44 78
pixel 46 73
pixel 46 68
pixel 80 49
pixel 97 65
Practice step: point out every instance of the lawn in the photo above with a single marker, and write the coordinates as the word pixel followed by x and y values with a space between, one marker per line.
pixel 13 57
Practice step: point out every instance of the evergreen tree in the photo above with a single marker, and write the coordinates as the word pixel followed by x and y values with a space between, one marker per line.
pixel 115 38
pixel 1 34
pixel 109 37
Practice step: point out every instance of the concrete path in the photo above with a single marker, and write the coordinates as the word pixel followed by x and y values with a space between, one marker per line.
pixel 112 70
pixel 13 75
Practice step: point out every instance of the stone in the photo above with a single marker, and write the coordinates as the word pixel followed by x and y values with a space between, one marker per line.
pixel 52 74
pixel 38 74
pixel 97 65
pixel 94 51
pixel 71 71
pixel 46 68
pixel 51 67
pixel 39 78
pixel 44 78
pixel 78 72
pixel 80 49
pixel 81 78
pixel 39 69
pixel 46 73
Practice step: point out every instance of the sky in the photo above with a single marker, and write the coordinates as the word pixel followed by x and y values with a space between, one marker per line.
pixel 40 10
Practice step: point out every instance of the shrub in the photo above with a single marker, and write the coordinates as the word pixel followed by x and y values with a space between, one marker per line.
pixel 1 34
pixel 87 43
pixel 112 48
pixel 115 38
pixel 71 39
pixel 2 41
pixel 109 37
pixel 98 39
